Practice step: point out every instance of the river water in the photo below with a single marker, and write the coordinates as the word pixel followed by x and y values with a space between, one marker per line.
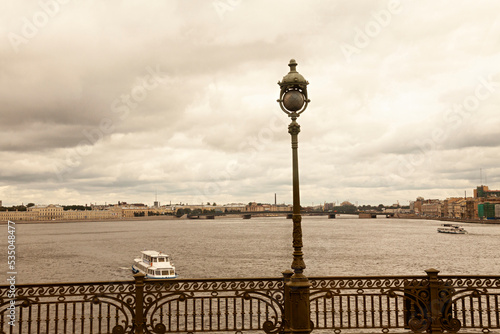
pixel 259 247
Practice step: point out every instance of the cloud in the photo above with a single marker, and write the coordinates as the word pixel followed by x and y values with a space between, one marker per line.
pixel 109 101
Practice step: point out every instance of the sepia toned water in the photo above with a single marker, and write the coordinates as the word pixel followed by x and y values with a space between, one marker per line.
pixel 259 247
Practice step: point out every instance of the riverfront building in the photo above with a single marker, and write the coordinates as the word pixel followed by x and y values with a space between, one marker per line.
pixel 56 212
pixel 18 215
pixel 484 205
pixel 258 207
pixel 485 192
pixel 48 212
pixel 123 210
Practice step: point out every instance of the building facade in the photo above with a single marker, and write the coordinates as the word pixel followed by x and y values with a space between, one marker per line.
pixel 484 192
pixel 48 212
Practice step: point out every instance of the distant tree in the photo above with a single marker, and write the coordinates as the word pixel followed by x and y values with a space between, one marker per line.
pixel 29 205
pixel 208 203
pixel 345 209
pixel 17 207
pixel 214 204
pixel 76 207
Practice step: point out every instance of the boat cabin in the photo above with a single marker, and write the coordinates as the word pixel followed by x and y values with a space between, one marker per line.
pixel 154 259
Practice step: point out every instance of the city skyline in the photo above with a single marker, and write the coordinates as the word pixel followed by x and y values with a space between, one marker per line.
pixel 156 202
pixel 122 100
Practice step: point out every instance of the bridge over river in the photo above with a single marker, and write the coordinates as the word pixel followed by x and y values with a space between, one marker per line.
pixel 288 214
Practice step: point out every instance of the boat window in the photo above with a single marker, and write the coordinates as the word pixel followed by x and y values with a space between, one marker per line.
pixel 161 259
pixel 150 272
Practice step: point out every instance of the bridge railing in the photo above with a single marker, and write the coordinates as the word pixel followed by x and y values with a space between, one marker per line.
pixel 427 303
pixel 100 307
pixel 144 306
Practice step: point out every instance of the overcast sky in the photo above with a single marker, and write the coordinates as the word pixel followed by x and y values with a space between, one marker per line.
pixel 107 101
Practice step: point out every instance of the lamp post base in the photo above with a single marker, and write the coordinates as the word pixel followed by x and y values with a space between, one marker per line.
pixel 300 321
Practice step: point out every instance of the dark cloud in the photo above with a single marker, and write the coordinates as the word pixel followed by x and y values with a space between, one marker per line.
pixel 112 101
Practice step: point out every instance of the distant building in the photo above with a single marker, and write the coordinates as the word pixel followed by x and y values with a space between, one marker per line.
pixel 234 207
pixel 471 208
pixel 485 192
pixel 458 209
pixel 417 205
pixel 259 207
pixel 449 207
pixel 48 212
pixel 18 215
pixel 428 207
pixel 94 214
pixel 57 212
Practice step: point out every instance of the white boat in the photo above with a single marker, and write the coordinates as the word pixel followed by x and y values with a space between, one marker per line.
pixel 154 265
pixel 452 229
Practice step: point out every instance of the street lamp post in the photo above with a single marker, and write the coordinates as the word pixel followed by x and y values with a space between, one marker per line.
pixel 293 101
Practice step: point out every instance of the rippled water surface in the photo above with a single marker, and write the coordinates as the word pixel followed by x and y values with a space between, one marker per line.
pixel 259 247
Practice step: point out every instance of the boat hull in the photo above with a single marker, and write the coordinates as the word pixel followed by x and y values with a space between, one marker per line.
pixel 135 271
pixel 451 231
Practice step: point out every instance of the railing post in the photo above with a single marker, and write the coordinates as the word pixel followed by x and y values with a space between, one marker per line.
pixel 434 302
pixel 139 303
pixel 286 302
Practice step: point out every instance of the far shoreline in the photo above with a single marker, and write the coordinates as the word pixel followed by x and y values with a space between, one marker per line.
pixel 235 215
pixel 148 218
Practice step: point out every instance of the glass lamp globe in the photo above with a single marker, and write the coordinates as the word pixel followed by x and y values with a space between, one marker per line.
pixel 293 100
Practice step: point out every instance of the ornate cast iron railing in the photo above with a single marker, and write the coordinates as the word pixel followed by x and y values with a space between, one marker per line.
pixel 421 304
pixel 101 307
pixel 213 305
pixel 428 303
pixel 146 306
